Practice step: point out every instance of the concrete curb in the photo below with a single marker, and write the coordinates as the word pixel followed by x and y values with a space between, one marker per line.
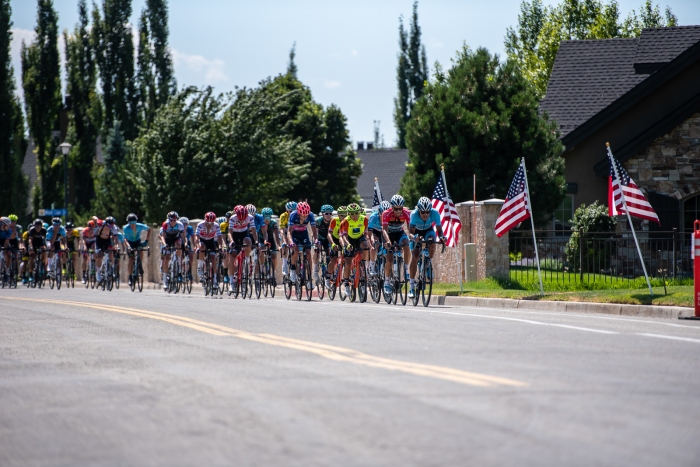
pixel 646 311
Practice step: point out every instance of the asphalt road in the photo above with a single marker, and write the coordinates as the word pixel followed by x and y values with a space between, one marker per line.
pixel 100 378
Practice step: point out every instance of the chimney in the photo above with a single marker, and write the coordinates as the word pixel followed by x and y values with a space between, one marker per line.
pixel 370 145
pixel 360 145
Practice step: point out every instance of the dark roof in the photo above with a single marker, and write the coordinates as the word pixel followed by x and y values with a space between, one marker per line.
pixel 587 77
pixel 388 165
pixel 658 46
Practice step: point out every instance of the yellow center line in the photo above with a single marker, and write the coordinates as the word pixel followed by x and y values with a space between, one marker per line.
pixel 330 352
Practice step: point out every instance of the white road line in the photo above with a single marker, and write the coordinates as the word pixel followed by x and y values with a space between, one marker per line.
pixel 661 336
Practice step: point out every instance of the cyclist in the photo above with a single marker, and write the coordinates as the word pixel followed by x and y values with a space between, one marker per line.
pixel 135 237
pixel 260 228
pixel 72 236
pixel 284 221
pixel 297 233
pixel 187 246
pixel 5 232
pixel 172 233
pixel 352 231
pixel 36 237
pixel 273 240
pixel 334 243
pixel 424 220
pixel 25 256
pixel 323 226
pixel 105 237
pixel 56 241
pixel 241 228
pixel 375 234
pixel 208 239
pixel 87 243
pixel 393 221
pixel 223 227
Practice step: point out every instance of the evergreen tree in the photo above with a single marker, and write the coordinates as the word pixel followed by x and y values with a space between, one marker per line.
pixel 85 106
pixel 535 41
pixel 161 58
pixel 114 52
pixel 481 117
pixel 13 190
pixel 116 193
pixel 292 66
pixel 42 96
pixel 412 74
pixel 144 77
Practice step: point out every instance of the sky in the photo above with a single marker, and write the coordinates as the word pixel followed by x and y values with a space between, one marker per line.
pixel 346 51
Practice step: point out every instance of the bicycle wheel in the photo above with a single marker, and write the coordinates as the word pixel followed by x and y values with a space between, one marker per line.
pixel 362 283
pixel 419 281
pixel 109 277
pixel 51 281
pixel 287 287
pixel 341 291
pixel 133 276
pixel 93 274
pixel 402 285
pixel 265 277
pixel 139 279
pixel 373 282
pixel 321 287
pixel 58 273
pixel 116 277
pixel 71 274
pixel 257 279
pixel 309 282
pixel 427 287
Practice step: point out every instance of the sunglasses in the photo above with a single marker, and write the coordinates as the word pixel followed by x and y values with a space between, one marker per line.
pixel 327 213
pixel 424 212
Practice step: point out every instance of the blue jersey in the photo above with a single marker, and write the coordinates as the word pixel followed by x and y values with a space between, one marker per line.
pixel 189 232
pixel 375 221
pixel 5 234
pixel 295 224
pixel 50 233
pixel 135 236
pixel 259 222
pixel 420 224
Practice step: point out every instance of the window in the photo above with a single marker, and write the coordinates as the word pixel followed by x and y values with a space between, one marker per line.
pixel 691 212
pixel 564 213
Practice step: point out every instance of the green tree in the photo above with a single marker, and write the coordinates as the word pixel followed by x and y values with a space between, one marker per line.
pixel 145 76
pixel 13 190
pixel 588 220
pixel 42 96
pixel 481 117
pixel 411 74
pixel 333 167
pixel 84 126
pixel 116 191
pixel 114 51
pixel 292 66
pixel 209 153
pixel 535 41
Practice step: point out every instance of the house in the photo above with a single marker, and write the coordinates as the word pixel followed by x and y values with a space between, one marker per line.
pixel 387 165
pixel 643 96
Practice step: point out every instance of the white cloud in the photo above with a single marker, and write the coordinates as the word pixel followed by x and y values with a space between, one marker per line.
pixel 28 35
pixel 213 70
pixel 332 84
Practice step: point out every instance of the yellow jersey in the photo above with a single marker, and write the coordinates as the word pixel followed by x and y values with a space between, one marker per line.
pixel 284 220
pixel 224 228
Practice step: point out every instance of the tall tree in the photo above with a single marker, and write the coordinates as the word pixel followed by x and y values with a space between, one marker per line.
pixel 535 41
pixel 114 52
pixel 145 76
pixel 42 96
pixel 161 57
pixel 292 66
pixel 411 74
pixel 480 117
pixel 13 190
pixel 86 108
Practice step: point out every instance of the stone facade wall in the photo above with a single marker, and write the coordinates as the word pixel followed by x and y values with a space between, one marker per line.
pixel 671 164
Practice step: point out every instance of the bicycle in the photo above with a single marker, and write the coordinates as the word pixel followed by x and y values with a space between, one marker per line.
pixel 4 279
pixel 14 268
pixel 38 275
pixel 91 274
pixel 322 268
pixel 286 283
pixel 210 286
pixel 376 280
pixel 186 272
pixel 398 277
pixel 240 284
pixel 304 279
pixel 268 273
pixel 137 272
pixel 107 273
pixel 116 269
pixel 358 276
pixel 54 275
pixel 424 279
pixel 174 271
pixel 336 278
pixel 69 275
pixel 257 275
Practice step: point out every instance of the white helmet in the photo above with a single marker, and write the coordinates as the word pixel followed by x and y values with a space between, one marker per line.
pixel 397 200
pixel 424 204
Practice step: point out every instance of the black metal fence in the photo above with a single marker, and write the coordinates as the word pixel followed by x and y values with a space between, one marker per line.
pixel 599 257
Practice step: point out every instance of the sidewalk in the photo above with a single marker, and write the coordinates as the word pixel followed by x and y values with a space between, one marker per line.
pixel 647 311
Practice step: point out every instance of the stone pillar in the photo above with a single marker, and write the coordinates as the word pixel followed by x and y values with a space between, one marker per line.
pixel 495 250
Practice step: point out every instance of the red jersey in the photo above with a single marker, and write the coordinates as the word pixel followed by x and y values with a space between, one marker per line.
pixel 394 223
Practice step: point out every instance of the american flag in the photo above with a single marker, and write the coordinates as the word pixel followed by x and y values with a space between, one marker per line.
pixel 378 197
pixel 448 213
pixel 636 202
pixel 516 208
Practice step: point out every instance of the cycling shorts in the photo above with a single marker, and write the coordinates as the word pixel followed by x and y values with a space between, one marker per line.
pixel 356 242
pixel 14 244
pixel 209 244
pixel 426 234
pixel 103 244
pixel 397 237
pixel 38 242
pixel 301 239
pixel 238 238
pixel 56 246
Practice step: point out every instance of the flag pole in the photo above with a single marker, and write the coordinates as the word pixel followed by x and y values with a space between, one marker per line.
pixel 629 219
pixel 532 223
